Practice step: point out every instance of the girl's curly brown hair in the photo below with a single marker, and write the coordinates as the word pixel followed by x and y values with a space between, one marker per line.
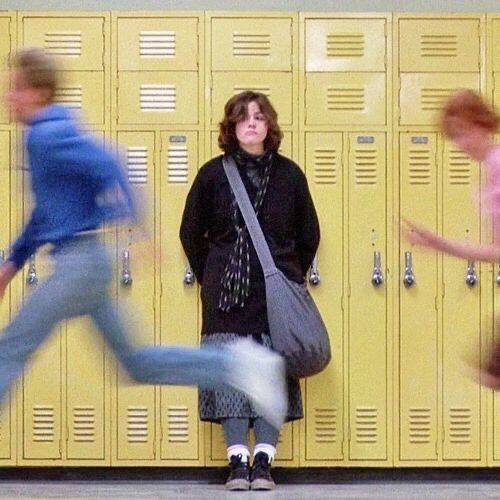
pixel 236 109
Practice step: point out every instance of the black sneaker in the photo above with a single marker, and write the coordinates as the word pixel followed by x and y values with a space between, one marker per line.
pixel 260 476
pixel 239 475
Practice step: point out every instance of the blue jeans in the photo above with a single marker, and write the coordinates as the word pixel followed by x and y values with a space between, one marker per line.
pixel 79 286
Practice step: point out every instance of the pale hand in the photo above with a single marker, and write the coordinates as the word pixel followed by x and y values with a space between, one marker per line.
pixel 420 236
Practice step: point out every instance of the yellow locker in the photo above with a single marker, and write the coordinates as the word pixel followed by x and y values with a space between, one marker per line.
pixel 367 330
pixel 157 97
pixel 275 85
pixel 345 44
pixel 251 44
pixel 180 438
pixel 77 41
pixel 462 325
pixel 324 394
pixel 157 44
pixel 439 45
pixel 418 343
pixel 136 413
pixel 345 98
pixel 495 47
pixel 6 29
pixel 422 95
pixel 495 417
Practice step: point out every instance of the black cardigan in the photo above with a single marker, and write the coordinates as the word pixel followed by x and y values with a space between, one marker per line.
pixel 288 220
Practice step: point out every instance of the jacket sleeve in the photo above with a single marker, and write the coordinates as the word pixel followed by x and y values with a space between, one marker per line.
pixel 306 224
pixel 194 225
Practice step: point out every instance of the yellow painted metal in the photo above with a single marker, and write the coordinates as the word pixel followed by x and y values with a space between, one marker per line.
pixel 345 98
pixel 418 319
pixel 157 43
pixel 6 27
pixel 324 393
pixel 367 324
pixel 345 44
pixel 251 44
pixel 439 45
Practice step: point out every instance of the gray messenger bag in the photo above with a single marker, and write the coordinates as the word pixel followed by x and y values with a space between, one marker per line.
pixel 295 325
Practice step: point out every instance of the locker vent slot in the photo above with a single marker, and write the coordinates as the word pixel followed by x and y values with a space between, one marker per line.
pixel 366 425
pixel 178 424
pixel 420 425
pixel 177 164
pixel 158 98
pixel 345 45
pixel 459 172
pixel 325 425
pixel 137 165
pixel 157 44
pixel 251 44
pixel 460 425
pixel 366 167
pixel 419 167
pixel 433 99
pixel 438 45
pixel 345 98
pixel 137 424
pixel 84 423
pixel 70 97
pixel 63 43
pixel 43 423
pixel 325 166
pixel 255 88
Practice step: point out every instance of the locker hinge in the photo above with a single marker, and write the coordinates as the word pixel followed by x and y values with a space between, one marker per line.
pixel 60 447
pixel 342 302
pixel 436 304
pixel 349 290
pixel 103 46
pixel 349 434
pixel 342 448
pixel 443 290
pixel 443 434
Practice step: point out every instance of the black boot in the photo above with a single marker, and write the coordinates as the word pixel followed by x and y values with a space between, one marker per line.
pixel 239 475
pixel 260 476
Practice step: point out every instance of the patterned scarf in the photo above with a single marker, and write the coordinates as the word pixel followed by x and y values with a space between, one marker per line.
pixel 236 278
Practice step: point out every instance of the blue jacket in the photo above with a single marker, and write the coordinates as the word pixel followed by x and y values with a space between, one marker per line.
pixel 77 185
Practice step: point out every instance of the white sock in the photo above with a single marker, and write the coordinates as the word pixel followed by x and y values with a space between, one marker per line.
pixel 238 449
pixel 268 449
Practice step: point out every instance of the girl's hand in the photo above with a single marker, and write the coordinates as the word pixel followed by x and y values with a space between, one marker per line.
pixel 419 235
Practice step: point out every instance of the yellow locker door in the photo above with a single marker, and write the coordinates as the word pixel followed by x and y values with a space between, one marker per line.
pixel 251 44
pixel 6 28
pixel 367 333
pixel 180 437
pixel 495 418
pixel 5 237
pixel 439 45
pixel 324 412
pixel 461 325
pixel 157 44
pixel 418 343
pixel 136 414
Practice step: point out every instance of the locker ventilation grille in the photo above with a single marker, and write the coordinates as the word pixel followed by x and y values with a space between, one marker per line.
pixel 459 172
pixel 255 88
pixel 137 424
pixel 433 99
pixel 346 98
pixel 251 44
pixel 43 423
pixel 84 423
pixel 157 44
pixel 178 164
pixel 325 166
pixel 70 97
pixel 460 425
pixel 420 425
pixel 158 98
pixel 366 167
pixel 137 165
pixel 366 425
pixel 325 425
pixel 178 424
pixel 419 167
pixel 438 45
pixel 345 45
pixel 64 43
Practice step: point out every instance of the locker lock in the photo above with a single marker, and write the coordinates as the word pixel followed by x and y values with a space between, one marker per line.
pixel 377 276
pixel 314 277
pixel 471 276
pixel 497 279
pixel 189 278
pixel 2 257
pixel 126 274
pixel 32 278
pixel 409 276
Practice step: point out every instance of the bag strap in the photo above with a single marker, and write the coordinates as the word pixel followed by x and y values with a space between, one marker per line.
pixel 248 213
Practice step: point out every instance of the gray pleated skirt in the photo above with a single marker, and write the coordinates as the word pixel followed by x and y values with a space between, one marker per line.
pixel 215 405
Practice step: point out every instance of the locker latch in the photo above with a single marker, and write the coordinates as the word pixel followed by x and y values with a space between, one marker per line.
pixel 189 276
pixel 471 276
pixel 314 277
pixel 409 277
pixel 126 273
pixel 377 276
pixel 32 278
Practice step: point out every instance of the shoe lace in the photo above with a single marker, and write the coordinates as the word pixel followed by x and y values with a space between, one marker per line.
pixel 261 466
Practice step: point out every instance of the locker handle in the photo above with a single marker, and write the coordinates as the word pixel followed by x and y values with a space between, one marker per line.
pixel 377 276
pixel 497 279
pixel 32 278
pixel 409 277
pixel 2 257
pixel 314 277
pixel 471 276
pixel 126 273
pixel 189 277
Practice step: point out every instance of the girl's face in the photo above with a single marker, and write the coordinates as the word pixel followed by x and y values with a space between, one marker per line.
pixel 251 132
pixel 472 139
